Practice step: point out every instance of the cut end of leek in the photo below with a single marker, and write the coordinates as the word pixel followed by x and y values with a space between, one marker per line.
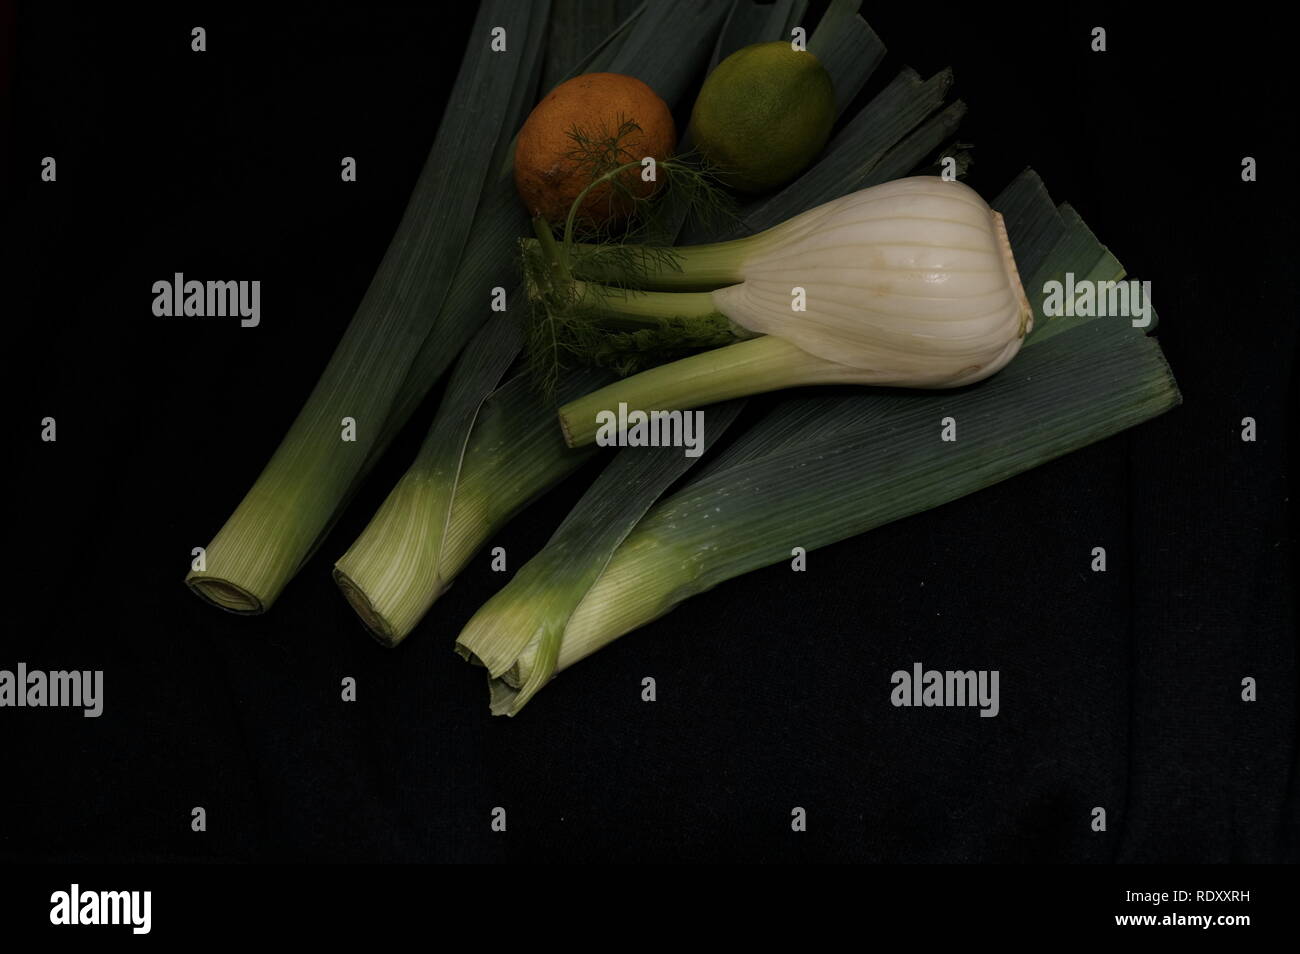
pixel 225 595
pixel 504 690
pixel 517 639
pixel 503 695
pixel 509 692
pixel 374 621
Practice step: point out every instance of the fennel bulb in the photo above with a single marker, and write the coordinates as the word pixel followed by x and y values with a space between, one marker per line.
pixel 911 283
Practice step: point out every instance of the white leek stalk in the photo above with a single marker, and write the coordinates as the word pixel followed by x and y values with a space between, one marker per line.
pixel 911 283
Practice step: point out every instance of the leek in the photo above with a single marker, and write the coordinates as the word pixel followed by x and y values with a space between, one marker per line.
pixel 298 495
pixel 751 22
pixel 848 48
pixel 455 491
pixel 537 604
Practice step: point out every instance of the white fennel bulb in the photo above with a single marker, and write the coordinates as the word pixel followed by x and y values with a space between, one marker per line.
pixel 911 282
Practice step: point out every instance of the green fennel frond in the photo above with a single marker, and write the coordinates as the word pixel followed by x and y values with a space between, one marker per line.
pixel 569 323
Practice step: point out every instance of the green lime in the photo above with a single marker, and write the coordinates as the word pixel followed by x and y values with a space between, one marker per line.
pixel 763 114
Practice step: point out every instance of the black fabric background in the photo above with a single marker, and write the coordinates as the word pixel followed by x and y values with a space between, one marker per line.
pixel 1118 689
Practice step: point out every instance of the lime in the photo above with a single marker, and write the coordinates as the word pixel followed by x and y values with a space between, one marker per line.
pixel 763 114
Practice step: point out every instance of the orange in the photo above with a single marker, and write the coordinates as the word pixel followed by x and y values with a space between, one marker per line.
pixel 601 118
